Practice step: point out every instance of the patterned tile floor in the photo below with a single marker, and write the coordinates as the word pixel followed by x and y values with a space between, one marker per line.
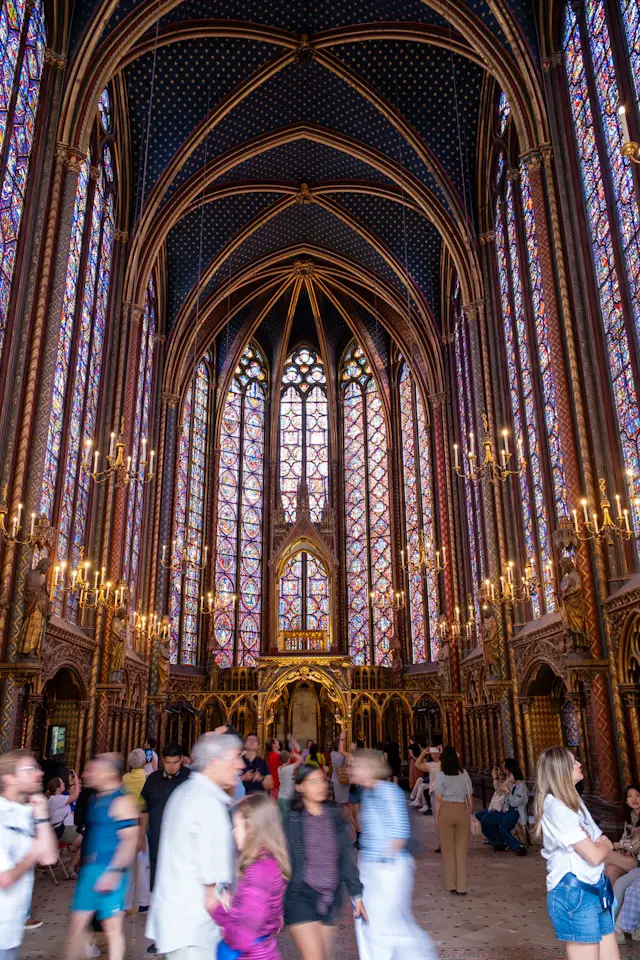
pixel 502 918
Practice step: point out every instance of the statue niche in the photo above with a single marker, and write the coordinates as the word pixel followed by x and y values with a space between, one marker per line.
pixel 118 641
pixel 37 610
pixel 572 606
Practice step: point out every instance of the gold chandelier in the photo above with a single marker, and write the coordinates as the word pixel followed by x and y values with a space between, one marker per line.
pixel 120 464
pixel 488 468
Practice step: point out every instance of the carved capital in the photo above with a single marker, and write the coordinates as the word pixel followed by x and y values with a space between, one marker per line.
pixel 532 159
pixel 94 173
pixel 487 238
pixel 513 175
pixel 54 60
pixel 171 400
pixel 304 194
pixel 552 62
pixel 437 399
pixel 122 236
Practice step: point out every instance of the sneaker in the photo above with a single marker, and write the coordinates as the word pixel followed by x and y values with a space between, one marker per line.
pixel 92 951
pixel 152 948
pixel 414 803
pixel 31 924
pixel 143 909
pixel 620 937
pixel 499 847
pixel 437 850
pixel 521 851
pixel 635 936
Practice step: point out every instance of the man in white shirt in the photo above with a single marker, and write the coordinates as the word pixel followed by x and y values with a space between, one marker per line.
pixel 196 852
pixel 26 838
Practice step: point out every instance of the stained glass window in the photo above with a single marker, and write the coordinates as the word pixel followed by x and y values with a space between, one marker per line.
pixel 303 595
pixel 141 448
pixel 596 163
pixel 64 496
pixel 104 109
pixel 367 511
pixel 631 19
pixel 504 112
pixel 238 565
pixel 188 553
pixel 304 427
pixel 419 521
pixel 22 46
pixel 472 493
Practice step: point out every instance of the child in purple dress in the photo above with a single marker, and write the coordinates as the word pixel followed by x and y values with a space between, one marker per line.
pixel 251 918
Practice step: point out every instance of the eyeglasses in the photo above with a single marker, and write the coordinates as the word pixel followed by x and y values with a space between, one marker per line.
pixel 27 768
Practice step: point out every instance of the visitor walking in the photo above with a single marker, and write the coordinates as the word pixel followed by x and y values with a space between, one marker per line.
pixel 453 806
pixel 579 894
pixel 288 766
pixel 26 839
pixel 133 782
pixel 251 919
pixel 340 771
pixel 272 757
pixel 322 860
pixel 387 868
pixel 196 852
pixel 109 849
pixel 256 776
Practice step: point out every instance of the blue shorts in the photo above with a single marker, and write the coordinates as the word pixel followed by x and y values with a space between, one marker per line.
pixel 577 915
pixel 103 905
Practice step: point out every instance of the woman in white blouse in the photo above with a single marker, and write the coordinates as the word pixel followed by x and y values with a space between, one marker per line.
pixel 579 895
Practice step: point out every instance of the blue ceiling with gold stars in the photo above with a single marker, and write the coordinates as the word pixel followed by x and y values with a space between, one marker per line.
pixel 331 116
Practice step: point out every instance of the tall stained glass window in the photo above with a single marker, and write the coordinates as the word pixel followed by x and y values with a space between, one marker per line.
pixel 303 594
pixel 238 560
pixel 188 553
pixel 22 46
pixel 472 492
pixel 504 112
pixel 64 498
pixel 419 510
pixel 367 514
pixel 141 441
pixel 599 139
pixel 304 428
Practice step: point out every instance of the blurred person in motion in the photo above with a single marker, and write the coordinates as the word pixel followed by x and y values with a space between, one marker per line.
pixel 26 839
pixel 340 778
pixel 579 896
pixel 272 759
pixel 453 813
pixel 134 782
pixel 251 919
pixel 322 860
pixel 196 858
pixel 108 852
pixel 355 794
pixel 387 867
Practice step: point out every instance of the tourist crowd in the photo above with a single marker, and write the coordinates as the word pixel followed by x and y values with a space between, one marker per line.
pixel 226 847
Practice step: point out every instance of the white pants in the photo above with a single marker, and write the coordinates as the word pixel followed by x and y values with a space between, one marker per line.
pixel 619 889
pixel 191 953
pixel 139 883
pixel 392 932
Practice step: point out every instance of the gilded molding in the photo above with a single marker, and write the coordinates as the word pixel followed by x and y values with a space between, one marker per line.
pixel 304 194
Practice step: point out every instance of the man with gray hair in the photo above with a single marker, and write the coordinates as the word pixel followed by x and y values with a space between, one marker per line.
pixel 196 852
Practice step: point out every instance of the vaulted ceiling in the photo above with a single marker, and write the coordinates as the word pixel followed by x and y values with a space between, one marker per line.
pixel 341 133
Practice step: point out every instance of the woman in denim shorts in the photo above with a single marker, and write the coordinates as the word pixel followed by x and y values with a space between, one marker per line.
pixel 579 895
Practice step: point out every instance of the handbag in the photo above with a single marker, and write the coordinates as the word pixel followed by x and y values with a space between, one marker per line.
pixel 343 774
pixel 475 828
pixel 225 952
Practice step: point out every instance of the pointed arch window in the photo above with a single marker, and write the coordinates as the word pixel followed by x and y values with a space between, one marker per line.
pixel 367 514
pixel 303 601
pixel 22 47
pixel 140 438
pixel 238 563
pixel 419 516
pixel 188 552
pixel 611 203
pixel 304 431
pixel 468 424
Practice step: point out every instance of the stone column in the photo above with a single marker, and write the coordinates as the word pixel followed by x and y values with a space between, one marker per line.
pixel 33 704
pixel 525 704
pixel 163 724
pixel 494 758
pixel 486 759
pixel 83 707
pixel 631 700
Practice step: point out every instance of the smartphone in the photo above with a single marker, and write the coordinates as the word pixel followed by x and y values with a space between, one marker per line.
pixel 148 755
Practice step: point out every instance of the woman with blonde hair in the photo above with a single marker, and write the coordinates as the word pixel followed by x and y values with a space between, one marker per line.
pixel 251 919
pixel 387 867
pixel 579 895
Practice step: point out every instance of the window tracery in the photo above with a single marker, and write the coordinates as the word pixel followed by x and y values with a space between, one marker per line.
pixel 304 426
pixel 303 602
pixel 239 539
pixel 22 47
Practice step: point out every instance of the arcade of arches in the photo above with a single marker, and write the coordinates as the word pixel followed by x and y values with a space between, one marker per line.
pixel 319 375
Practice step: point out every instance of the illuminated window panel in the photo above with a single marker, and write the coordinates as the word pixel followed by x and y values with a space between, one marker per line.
pixel 135 501
pixel 631 19
pixel 521 369
pixel 304 433
pixel 607 280
pixel 188 522
pixel 238 569
pixel 104 110
pixel 504 112
pixel 419 520
pixel 303 594
pixel 465 415
pixel 17 128
pixel 547 381
pixel 518 417
pixel 367 514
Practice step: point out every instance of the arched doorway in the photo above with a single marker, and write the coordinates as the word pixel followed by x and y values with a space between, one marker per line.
pixel 307 702
pixel 427 722
pixel 366 721
pixel 59 722
pixel 550 716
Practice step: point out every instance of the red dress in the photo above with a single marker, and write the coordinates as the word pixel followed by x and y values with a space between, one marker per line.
pixel 274 763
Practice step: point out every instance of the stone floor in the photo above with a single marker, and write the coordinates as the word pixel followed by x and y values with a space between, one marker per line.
pixel 503 917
